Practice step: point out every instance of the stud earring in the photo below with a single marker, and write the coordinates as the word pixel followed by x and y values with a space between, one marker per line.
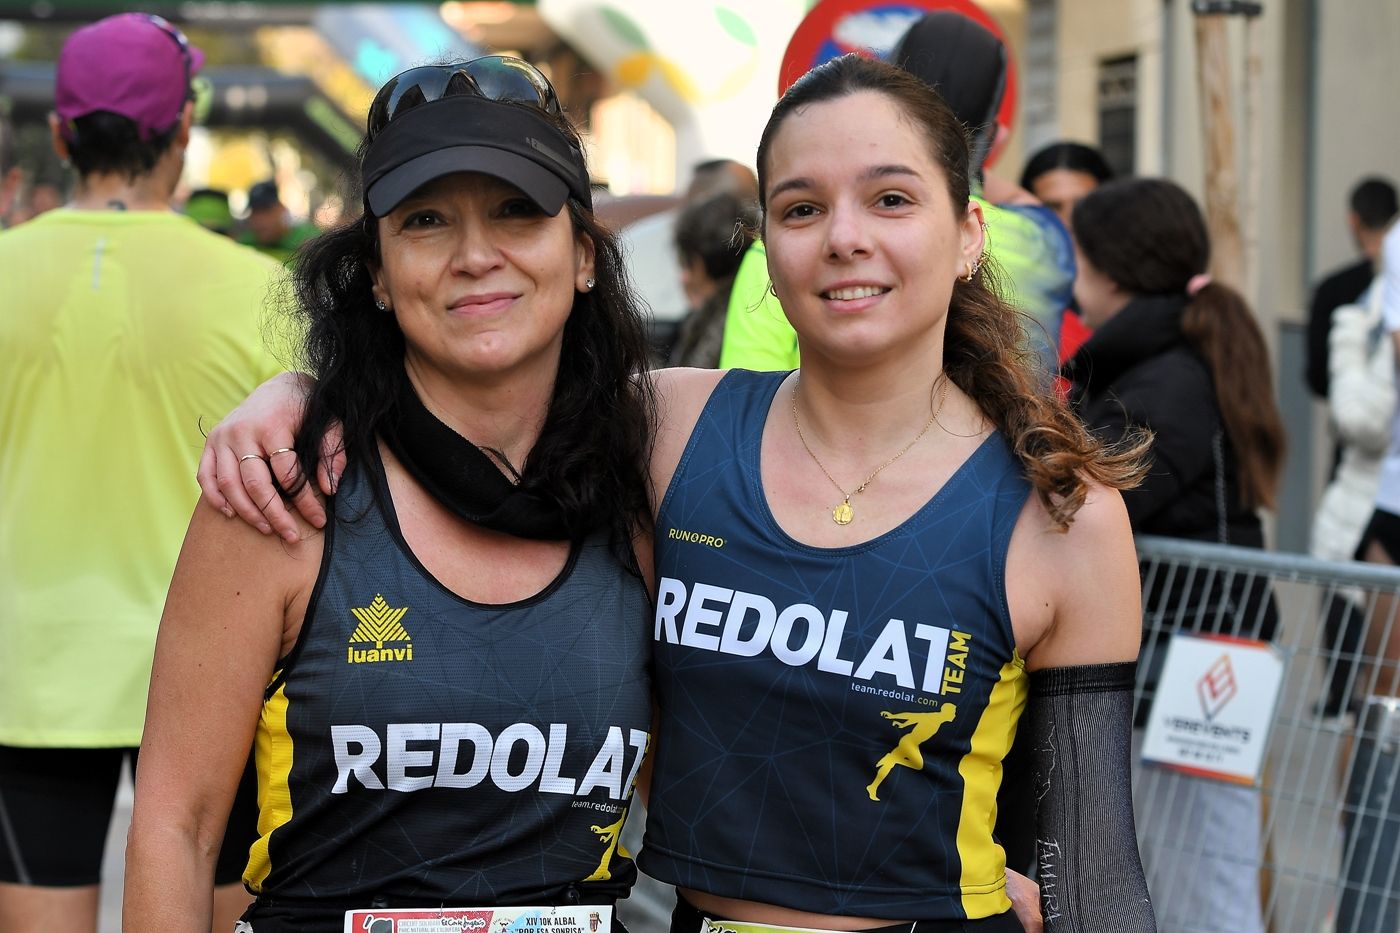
pixel 588 283
pixel 379 303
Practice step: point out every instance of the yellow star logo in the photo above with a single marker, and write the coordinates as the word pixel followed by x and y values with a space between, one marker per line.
pixel 379 623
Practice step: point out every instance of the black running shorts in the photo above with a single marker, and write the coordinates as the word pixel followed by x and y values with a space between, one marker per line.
pixel 56 805
pixel 1384 529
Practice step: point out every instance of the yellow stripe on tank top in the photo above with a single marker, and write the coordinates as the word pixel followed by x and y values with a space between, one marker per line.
pixel 983 861
pixel 273 755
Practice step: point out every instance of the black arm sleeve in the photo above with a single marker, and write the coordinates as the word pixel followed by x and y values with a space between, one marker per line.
pixel 1088 865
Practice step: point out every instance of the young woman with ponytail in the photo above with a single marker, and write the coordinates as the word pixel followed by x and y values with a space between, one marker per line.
pixel 1177 354
pixel 863 567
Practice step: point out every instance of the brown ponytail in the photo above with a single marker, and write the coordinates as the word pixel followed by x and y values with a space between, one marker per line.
pixel 1149 236
pixel 985 353
pixel 1219 324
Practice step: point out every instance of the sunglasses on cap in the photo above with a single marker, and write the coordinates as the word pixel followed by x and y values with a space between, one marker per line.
pixel 436 120
pixel 167 27
pixel 493 77
pixel 197 87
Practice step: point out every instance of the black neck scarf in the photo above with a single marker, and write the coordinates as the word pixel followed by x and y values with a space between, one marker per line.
pixel 465 479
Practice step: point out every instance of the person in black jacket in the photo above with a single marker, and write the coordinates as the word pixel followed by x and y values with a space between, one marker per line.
pixel 1178 354
pixel 1372 206
pixel 1175 353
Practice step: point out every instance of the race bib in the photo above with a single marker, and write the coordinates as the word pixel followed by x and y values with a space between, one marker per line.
pixel 584 918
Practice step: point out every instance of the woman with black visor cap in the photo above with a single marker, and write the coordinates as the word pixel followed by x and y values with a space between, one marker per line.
pixel 447 688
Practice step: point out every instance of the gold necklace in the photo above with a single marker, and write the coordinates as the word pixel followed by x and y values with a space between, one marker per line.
pixel 844 513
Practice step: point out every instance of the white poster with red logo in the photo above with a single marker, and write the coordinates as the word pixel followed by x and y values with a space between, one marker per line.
pixel 1214 707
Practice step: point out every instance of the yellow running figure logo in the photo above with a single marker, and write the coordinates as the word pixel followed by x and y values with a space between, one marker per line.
pixel 922 727
pixel 612 836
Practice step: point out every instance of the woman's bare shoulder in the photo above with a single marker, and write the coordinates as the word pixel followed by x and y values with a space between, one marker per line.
pixel 681 395
pixel 683 389
pixel 228 572
pixel 1074 591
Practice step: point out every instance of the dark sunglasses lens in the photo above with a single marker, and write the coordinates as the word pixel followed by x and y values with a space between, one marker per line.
pixel 406 91
pixel 493 77
pixel 511 79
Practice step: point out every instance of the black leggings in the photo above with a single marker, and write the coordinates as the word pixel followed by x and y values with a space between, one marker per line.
pixel 688 919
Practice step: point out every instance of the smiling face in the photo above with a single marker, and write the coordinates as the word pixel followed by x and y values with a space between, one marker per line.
pixel 863 240
pixel 480 280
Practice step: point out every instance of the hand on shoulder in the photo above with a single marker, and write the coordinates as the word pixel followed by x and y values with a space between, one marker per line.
pixel 251 444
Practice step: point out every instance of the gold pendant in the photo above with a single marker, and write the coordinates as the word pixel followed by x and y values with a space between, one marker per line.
pixel 843 513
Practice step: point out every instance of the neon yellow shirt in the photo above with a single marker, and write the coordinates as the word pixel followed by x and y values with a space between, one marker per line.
pixel 122 333
pixel 757 334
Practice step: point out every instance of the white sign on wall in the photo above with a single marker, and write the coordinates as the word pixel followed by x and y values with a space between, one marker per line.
pixel 1214 707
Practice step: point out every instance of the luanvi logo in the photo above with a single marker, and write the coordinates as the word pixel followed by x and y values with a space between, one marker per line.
pixel 380 635
pixel 1217 687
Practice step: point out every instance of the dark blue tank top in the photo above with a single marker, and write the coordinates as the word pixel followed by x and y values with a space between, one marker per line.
pixel 422 748
pixel 832 720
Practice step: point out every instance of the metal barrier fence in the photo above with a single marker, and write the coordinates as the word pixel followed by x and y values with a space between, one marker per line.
pixel 1316 845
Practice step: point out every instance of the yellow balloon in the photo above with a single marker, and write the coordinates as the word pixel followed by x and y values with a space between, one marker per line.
pixel 634 70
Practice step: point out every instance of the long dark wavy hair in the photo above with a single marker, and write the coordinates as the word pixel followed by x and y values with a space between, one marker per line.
pixel 1149 237
pixel 985 350
pixel 593 449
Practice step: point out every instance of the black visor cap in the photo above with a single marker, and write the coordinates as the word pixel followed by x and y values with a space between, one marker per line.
pixel 470 134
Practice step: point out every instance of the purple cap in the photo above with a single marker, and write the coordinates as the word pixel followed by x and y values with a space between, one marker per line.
pixel 133 64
